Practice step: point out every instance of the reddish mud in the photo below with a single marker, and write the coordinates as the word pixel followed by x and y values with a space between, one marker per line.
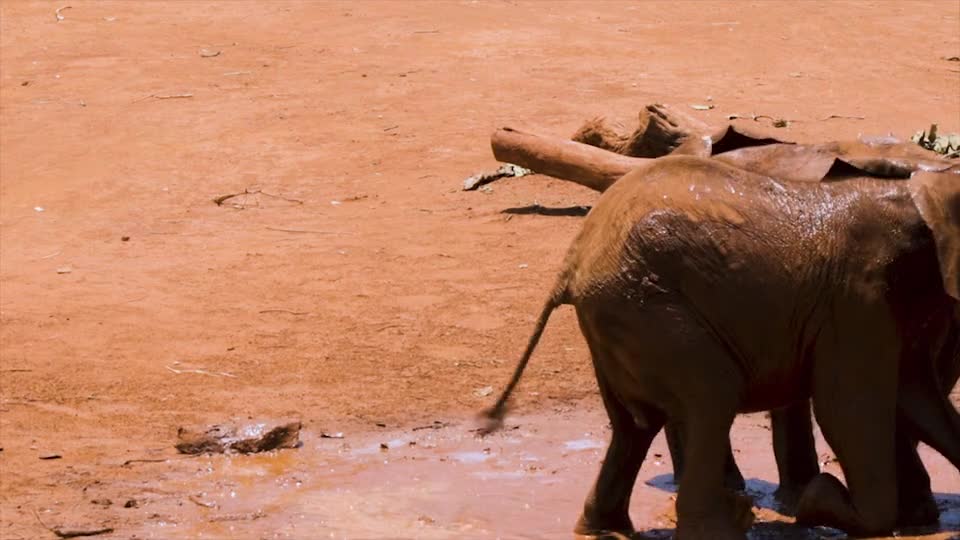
pixel 355 284
pixel 429 481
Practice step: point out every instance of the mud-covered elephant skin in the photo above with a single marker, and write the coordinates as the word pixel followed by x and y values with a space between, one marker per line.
pixel 704 290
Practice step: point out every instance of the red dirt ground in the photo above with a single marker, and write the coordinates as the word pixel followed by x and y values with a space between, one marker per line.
pixel 360 285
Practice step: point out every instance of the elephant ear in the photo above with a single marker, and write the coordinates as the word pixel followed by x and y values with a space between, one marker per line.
pixel 937 196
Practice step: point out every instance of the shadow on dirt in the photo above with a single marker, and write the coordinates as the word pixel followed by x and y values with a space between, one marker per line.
pixel 568 211
pixel 763 492
pixel 764 498
pixel 759 531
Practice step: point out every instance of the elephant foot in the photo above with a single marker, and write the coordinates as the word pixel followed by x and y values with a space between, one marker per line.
pixel 788 495
pixel 741 506
pixel 605 528
pixel 826 502
pixel 820 501
pixel 918 511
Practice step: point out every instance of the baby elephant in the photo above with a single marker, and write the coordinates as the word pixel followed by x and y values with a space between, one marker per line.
pixel 704 290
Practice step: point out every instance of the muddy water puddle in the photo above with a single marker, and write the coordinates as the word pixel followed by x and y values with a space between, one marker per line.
pixel 526 482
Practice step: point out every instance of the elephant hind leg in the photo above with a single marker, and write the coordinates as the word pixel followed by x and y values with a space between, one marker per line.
pixel 915 503
pixel 606 511
pixel 732 477
pixel 706 508
pixel 795 450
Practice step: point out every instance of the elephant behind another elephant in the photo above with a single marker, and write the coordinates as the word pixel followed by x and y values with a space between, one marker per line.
pixel 704 290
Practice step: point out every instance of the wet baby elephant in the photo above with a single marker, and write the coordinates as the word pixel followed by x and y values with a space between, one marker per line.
pixel 704 290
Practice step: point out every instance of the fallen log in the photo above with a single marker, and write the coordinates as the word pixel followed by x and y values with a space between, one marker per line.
pixel 561 158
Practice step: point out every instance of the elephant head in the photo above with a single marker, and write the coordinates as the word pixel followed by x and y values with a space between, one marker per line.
pixel 937 196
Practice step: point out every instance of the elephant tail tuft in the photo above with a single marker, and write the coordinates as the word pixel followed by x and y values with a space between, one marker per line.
pixel 492 418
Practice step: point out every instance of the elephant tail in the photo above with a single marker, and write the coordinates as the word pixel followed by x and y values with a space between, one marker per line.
pixel 492 418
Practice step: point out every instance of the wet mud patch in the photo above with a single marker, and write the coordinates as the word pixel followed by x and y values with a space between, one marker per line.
pixel 433 481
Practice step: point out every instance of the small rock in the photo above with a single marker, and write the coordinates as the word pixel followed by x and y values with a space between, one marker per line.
pixel 64 270
pixel 51 456
pixel 101 502
pixel 38 208
pixel 483 392
pixel 124 238
pixel 131 503
pixel 209 53
pixel 229 438
pixel 383 446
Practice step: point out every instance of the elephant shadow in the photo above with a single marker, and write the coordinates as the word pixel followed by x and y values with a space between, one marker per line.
pixel 764 497
pixel 567 211
pixel 778 530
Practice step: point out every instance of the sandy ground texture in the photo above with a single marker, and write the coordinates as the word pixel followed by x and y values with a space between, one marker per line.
pixel 353 286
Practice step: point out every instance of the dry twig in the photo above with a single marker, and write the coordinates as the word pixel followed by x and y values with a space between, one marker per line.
pixel 335 233
pixel 832 116
pixel 252 191
pixel 72 533
pixel 775 122
pixel 164 96
pixel 437 424
pixel 132 461
pixel 202 372
pixel 195 500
